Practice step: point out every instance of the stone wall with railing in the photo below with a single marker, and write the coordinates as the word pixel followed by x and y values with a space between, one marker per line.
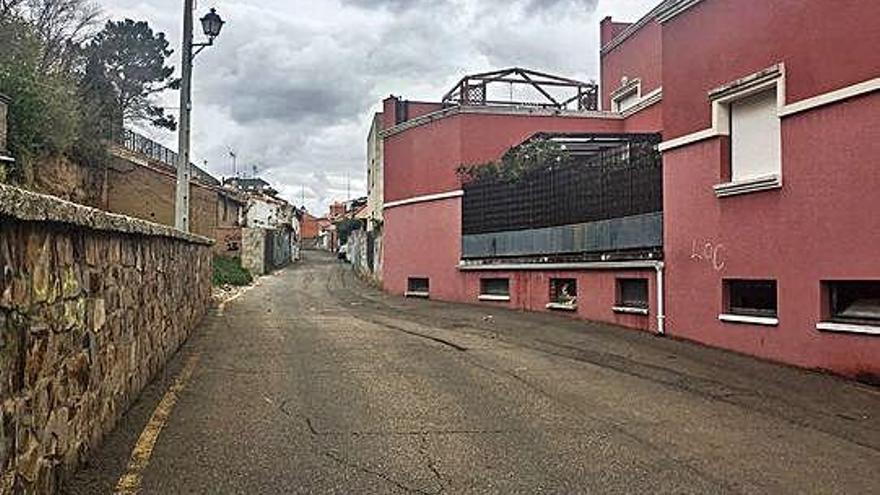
pixel 92 305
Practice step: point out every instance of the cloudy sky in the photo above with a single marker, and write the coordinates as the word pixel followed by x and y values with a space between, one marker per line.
pixel 291 84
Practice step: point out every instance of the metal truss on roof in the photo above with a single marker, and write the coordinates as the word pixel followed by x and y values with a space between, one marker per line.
pixel 551 91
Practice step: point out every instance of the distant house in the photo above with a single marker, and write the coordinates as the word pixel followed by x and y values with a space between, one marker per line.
pixel 252 185
pixel 375 175
pixel 310 227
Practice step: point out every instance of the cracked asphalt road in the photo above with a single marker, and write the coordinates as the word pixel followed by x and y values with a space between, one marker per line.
pixel 314 383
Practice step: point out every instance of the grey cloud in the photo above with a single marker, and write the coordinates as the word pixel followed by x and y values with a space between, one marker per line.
pixel 531 5
pixel 289 84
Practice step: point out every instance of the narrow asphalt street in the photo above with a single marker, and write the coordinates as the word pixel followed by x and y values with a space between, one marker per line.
pixel 313 382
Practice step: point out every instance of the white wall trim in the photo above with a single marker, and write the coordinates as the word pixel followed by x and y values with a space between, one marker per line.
pixel 831 97
pixel 785 110
pixel 561 306
pixel 630 310
pixel 688 139
pixel 748 186
pixel 632 86
pixel 649 100
pixel 424 199
pixel 494 110
pixel 490 297
pixel 674 9
pixel 594 265
pixel 829 326
pixel 416 293
pixel 754 320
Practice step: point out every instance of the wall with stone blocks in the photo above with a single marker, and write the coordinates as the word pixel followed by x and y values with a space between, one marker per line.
pixel 92 305
pixel 360 252
pixel 253 251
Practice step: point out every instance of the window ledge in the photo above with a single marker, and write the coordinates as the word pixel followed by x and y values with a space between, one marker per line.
pixel 415 293
pixel 830 326
pixel 757 184
pixel 562 306
pixel 489 297
pixel 630 310
pixel 754 320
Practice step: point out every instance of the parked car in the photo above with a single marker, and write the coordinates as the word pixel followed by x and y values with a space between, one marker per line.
pixel 342 252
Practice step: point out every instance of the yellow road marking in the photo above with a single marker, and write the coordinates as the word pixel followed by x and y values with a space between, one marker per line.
pixel 130 482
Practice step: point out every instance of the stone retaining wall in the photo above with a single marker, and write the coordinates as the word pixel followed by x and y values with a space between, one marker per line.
pixel 91 307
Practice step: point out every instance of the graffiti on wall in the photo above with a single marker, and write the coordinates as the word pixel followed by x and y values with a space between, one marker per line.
pixel 708 252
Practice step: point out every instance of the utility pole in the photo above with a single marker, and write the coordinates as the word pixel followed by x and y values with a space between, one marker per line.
pixel 181 203
pixel 211 23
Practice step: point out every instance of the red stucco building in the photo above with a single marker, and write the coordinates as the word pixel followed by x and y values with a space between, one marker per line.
pixel 770 172
pixel 769 151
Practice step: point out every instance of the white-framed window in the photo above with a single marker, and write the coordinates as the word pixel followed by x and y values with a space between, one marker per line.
pixel 563 294
pixel 747 110
pixel 494 289
pixel 755 137
pixel 851 306
pixel 417 287
pixel 632 296
pixel 628 95
pixel 749 301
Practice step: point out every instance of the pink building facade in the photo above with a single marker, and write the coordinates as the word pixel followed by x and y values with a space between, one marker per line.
pixel 768 181
pixel 794 210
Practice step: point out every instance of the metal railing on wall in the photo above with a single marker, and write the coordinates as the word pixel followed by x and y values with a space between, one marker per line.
pixel 137 143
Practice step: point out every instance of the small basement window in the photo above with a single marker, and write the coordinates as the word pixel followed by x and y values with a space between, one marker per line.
pixel 750 301
pixel 417 287
pixel 632 296
pixel 854 302
pixel 563 294
pixel 494 289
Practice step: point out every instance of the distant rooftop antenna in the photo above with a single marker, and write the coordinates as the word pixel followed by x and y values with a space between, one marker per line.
pixel 234 165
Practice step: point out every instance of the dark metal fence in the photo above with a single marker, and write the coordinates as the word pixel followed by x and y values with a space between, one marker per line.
pixel 133 141
pixel 619 182
pixel 143 145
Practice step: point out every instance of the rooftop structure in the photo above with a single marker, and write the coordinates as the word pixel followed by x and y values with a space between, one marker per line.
pixel 522 87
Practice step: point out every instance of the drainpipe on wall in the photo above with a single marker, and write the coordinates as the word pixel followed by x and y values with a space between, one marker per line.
pixel 661 315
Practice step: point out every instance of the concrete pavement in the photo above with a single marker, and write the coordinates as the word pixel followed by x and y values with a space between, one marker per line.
pixel 314 383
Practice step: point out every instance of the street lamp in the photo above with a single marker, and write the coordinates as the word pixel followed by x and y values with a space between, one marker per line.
pixel 211 25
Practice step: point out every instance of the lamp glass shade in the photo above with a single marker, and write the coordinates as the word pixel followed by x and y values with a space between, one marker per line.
pixel 212 24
